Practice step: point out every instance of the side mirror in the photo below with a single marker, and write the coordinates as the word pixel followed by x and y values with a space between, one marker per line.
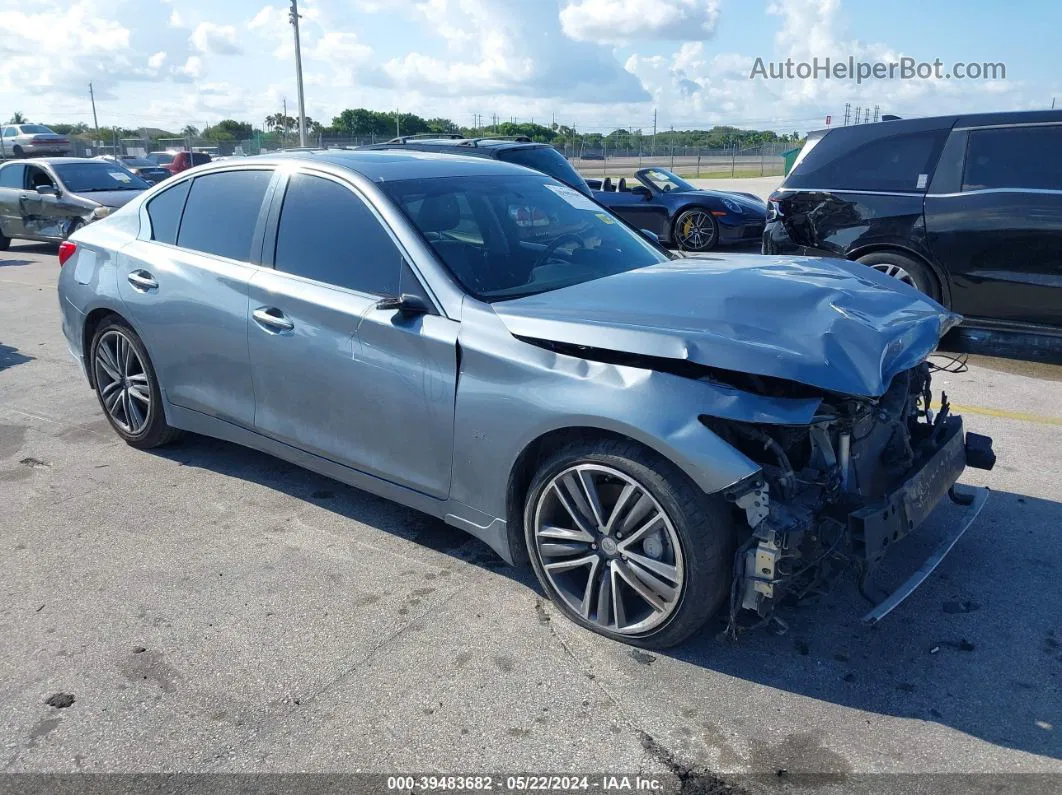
pixel 47 190
pixel 641 190
pixel 650 235
pixel 407 304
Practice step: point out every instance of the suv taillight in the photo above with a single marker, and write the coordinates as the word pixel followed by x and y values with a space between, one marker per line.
pixel 66 251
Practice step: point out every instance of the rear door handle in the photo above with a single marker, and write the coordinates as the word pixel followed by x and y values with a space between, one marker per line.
pixel 142 280
pixel 272 318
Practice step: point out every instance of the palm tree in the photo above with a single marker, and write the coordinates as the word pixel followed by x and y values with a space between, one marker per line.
pixel 189 131
pixel 17 118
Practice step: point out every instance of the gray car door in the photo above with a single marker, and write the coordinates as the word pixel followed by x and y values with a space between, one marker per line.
pixel 185 283
pixel 12 185
pixel 333 374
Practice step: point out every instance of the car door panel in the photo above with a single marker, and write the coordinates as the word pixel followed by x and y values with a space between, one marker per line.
pixel 194 324
pixel 636 210
pixel 363 387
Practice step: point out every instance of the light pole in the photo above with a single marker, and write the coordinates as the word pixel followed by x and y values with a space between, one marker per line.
pixel 293 17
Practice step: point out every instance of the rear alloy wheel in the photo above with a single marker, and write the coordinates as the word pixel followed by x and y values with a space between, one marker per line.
pixel 696 230
pixel 904 269
pixel 127 388
pixel 624 544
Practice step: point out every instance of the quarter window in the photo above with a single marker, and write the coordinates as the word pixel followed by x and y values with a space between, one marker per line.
pixel 165 212
pixel 222 211
pixel 1015 157
pixel 11 176
pixel 327 233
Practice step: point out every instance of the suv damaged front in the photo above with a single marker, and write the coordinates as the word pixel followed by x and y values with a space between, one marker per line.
pixel 826 373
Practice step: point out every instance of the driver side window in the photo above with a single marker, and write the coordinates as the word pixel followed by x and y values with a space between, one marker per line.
pixel 36 177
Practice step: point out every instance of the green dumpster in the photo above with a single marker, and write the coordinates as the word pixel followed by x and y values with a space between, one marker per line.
pixel 790 156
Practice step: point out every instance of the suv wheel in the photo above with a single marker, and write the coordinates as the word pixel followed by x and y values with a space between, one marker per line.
pixel 905 269
pixel 626 545
pixel 127 388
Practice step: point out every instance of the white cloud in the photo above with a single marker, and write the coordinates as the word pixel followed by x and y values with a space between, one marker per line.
pixel 215 39
pixel 192 68
pixel 156 60
pixel 626 20
pixel 176 20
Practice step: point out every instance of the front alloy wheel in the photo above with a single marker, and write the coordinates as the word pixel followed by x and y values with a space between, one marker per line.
pixel 625 544
pixel 696 230
pixel 609 549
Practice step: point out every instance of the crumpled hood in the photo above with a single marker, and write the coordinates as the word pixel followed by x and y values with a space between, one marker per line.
pixel 111 198
pixel 828 323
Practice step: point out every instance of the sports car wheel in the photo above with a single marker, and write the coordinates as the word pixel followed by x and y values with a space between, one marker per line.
pixel 626 545
pixel 127 388
pixel 696 230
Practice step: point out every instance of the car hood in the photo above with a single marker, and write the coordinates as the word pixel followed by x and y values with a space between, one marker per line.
pixel 831 324
pixel 748 204
pixel 110 198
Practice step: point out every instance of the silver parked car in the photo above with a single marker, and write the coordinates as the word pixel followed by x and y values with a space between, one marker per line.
pixel 51 198
pixel 661 438
pixel 31 140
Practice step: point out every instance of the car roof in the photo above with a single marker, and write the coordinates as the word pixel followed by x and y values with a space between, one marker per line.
pixel 381 165
pixel 955 120
pixel 56 161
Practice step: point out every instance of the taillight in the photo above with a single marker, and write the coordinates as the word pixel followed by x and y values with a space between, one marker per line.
pixel 774 206
pixel 66 251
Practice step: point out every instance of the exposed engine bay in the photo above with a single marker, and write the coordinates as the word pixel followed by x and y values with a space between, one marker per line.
pixel 836 493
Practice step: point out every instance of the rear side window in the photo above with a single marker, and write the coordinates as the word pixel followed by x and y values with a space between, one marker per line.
pixel 165 212
pixel 198 158
pixel 546 160
pixel 1016 157
pixel 11 176
pixel 327 233
pixel 222 211
pixel 902 162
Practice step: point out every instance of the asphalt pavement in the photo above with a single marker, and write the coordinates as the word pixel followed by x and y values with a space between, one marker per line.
pixel 213 609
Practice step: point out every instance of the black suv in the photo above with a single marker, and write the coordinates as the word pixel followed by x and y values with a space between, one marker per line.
pixel 519 149
pixel 966 208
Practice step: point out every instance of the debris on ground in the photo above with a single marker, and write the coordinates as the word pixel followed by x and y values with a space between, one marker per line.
pixel 60 700
pixel 139 650
pixel 642 657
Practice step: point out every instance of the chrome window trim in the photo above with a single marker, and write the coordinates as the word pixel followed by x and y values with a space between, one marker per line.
pixel 1010 125
pixel 852 191
pixel 1045 191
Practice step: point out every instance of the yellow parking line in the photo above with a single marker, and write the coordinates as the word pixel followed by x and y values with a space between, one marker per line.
pixel 1003 414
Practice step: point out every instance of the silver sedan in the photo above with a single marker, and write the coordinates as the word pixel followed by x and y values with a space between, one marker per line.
pixel 661 438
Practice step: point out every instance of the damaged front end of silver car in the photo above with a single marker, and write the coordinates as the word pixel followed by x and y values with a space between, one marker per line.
pixel 834 495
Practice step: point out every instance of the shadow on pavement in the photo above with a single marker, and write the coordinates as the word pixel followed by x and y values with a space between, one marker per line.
pixel 9 356
pixel 978 648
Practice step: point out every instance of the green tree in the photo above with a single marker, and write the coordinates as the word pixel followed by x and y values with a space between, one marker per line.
pixel 17 118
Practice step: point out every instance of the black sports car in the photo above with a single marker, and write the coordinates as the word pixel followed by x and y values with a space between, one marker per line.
pixel 680 214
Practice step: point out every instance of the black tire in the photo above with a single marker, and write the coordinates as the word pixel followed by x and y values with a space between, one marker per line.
pixel 892 263
pixel 702 524
pixel 702 217
pixel 74 226
pixel 5 242
pixel 16 151
pixel 154 431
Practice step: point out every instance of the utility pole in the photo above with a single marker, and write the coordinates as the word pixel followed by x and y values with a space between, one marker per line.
pixel 293 17
pixel 652 152
pixel 96 123
pixel 398 125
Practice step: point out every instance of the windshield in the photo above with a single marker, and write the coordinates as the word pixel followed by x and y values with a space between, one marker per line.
pixel 549 161
pixel 162 158
pixel 510 236
pixel 35 128
pixel 94 177
pixel 665 181
pixel 137 162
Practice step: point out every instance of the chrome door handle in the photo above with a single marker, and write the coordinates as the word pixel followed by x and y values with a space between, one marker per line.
pixel 142 280
pixel 272 318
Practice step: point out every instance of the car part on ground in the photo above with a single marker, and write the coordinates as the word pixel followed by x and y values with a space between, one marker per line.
pixel 681 215
pixel 969 210
pixel 658 437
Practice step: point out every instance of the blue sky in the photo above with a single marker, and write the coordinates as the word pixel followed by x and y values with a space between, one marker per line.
pixel 596 64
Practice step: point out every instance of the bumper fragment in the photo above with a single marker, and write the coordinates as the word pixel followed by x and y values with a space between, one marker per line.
pixel 977 499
